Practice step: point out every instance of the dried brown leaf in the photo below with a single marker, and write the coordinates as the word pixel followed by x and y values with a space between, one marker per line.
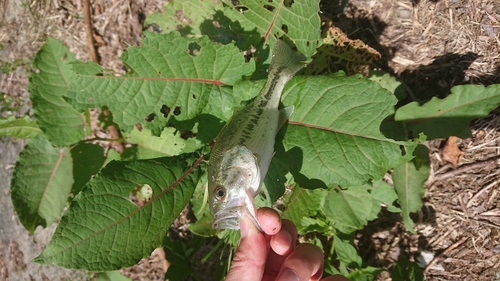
pixel 450 152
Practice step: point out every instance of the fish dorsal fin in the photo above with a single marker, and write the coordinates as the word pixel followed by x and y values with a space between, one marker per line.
pixel 284 115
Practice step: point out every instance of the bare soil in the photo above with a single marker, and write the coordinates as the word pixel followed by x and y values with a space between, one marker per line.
pixel 428 45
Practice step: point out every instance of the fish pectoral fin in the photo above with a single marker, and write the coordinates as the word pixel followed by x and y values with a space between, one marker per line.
pixel 284 115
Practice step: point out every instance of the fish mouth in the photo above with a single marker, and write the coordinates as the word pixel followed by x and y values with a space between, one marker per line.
pixel 230 216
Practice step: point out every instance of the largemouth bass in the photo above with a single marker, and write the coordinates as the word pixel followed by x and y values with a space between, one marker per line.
pixel 243 149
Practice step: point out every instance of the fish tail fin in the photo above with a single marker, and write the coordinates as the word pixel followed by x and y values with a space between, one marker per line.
pixel 285 59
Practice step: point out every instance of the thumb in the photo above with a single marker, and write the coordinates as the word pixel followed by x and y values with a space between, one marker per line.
pixel 250 259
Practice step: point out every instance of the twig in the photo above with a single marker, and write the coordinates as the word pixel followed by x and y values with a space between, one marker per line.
pixel 115 134
pixel 495 183
pixel 88 31
pixel 445 252
pixel 466 168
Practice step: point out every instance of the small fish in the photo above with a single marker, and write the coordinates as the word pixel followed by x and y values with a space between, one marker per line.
pixel 243 149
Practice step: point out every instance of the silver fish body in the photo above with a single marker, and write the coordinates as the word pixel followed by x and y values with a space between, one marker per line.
pixel 243 149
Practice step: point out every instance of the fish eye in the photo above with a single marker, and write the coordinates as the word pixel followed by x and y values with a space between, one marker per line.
pixel 220 192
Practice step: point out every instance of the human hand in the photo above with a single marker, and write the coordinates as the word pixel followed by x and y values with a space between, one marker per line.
pixel 272 255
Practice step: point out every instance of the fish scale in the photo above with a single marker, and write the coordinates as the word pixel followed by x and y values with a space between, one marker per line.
pixel 243 149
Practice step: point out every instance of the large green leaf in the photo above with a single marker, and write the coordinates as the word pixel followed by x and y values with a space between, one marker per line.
pixel 349 209
pixel 41 183
pixel 103 230
pixel 48 86
pixel 409 182
pixel 182 79
pixel 296 20
pixel 333 136
pixel 87 161
pixel 441 118
pixel 20 128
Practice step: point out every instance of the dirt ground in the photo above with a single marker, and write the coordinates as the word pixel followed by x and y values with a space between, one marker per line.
pixel 428 45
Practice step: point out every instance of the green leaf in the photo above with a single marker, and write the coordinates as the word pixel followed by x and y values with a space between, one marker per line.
pixel 441 118
pixel 112 276
pixel 405 270
pixel 185 16
pixel 409 182
pixel 169 143
pixel 41 183
pixel 388 82
pixel 203 226
pixel 103 230
pixel 88 159
pixel 61 124
pixel 19 128
pixel 333 136
pixel 298 21
pixel 349 209
pixel 365 274
pixel 178 254
pixel 384 193
pixel 302 203
pixel 182 80
pixel 347 254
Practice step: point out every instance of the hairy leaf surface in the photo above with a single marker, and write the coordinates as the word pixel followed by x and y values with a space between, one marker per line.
pixel 103 230
pixel 41 183
pixel 441 118
pixel 20 128
pixel 298 21
pixel 182 80
pixel 333 135
pixel 349 209
pixel 88 159
pixel 61 123
pixel 169 143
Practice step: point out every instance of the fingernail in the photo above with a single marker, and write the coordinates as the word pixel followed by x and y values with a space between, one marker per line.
pixel 288 275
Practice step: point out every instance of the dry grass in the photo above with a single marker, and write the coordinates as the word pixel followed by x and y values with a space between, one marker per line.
pixel 431 46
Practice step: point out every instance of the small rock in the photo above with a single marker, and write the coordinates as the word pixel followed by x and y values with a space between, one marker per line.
pixel 491 31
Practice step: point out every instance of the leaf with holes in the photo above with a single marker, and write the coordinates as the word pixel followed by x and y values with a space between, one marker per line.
pixel 298 21
pixel 185 16
pixel 104 230
pixel 169 143
pixel 441 118
pixel 182 79
pixel 41 183
pixel 48 87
